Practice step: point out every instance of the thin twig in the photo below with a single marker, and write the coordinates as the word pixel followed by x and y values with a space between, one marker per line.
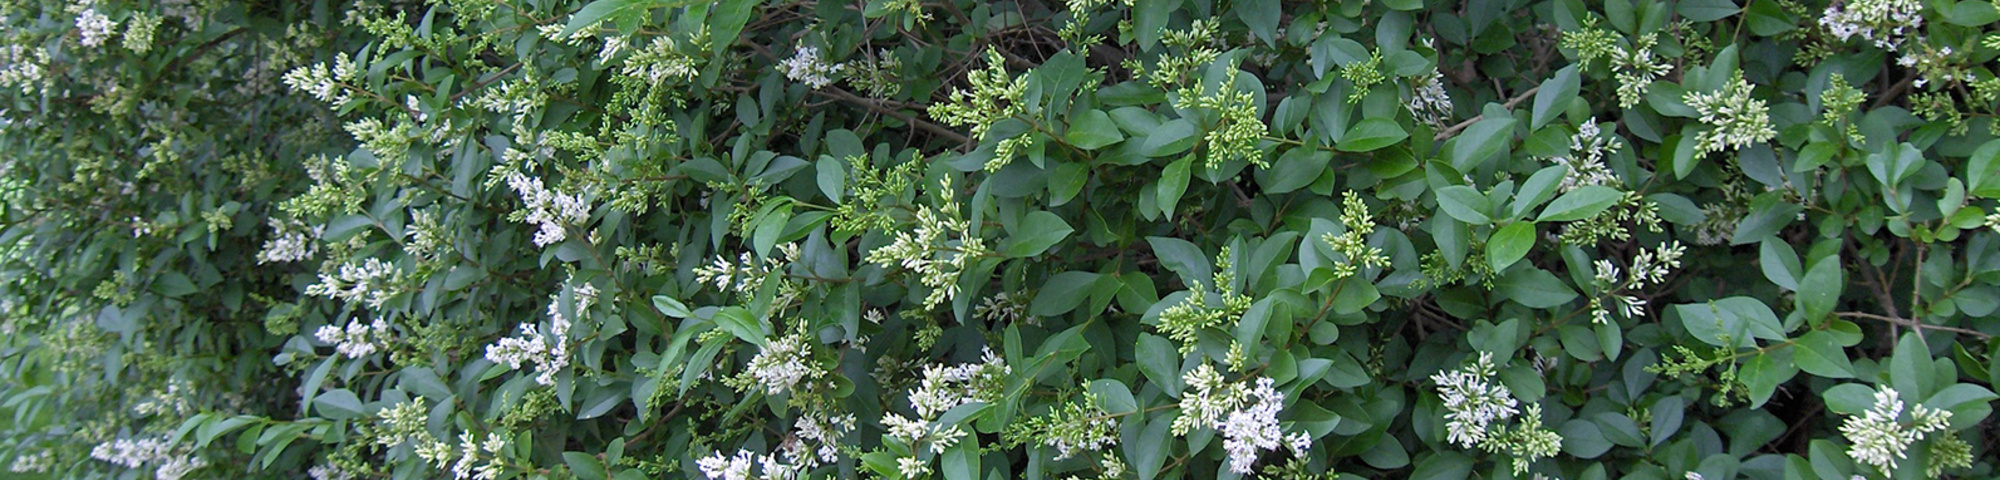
pixel 1511 103
pixel 1915 324
pixel 925 125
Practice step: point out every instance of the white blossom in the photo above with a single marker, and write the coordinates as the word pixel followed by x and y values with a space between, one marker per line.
pixel 22 68
pixel 33 463
pixel 1247 417
pixel 548 350
pixel 328 472
pixel 1878 436
pixel 290 241
pixel 357 339
pixel 782 364
pixel 806 67
pixel 549 210
pixel 1585 161
pixel 1884 23
pixel 1429 103
pixel 1473 401
pixel 369 282
pixel 95 27
pixel 134 453
pixel 1739 118
pixel 721 467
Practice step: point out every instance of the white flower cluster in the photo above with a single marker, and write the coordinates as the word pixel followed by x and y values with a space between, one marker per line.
pixel 369 282
pixel 549 353
pixel 1247 417
pixel 358 339
pixel 806 67
pixel 1886 23
pixel 173 400
pixel 738 467
pixel 658 62
pixel 1585 161
pixel 1002 308
pixel 1474 401
pixel 33 463
pixel 1739 119
pixel 747 274
pixel 548 209
pixel 22 68
pixel 782 364
pixel 942 389
pixel 798 456
pixel 328 472
pixel 290 241
pixel 1878 436
pixel 1429 103
pixel 132 454
pixel 929 250
pixel 465 462
pixel 95 27
pixel 1649 268
pixel 325 83
pixel 815 441
pixel 1637 68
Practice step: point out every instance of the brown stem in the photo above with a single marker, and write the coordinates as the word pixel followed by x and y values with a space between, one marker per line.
pixel 1454 129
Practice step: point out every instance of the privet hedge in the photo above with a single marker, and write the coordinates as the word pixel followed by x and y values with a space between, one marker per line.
pixel 966 240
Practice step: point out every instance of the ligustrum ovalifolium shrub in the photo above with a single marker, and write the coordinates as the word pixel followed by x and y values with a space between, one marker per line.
pixel 971 240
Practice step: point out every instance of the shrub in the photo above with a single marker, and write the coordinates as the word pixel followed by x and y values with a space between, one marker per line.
pixel 965 240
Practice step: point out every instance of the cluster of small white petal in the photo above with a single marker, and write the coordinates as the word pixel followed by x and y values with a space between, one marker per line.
pixel 33 463
pixel 931 252
pixel 367 282
pixel 95 27
pixel 1649 268
pixel 782 364
pixel 358 339
pixel 290 241
pixel 746 274
pixel 1878 436
pixel 1587 151
pixel 1429 103
pixel 1637 68
pixel 1001 308
pixel 140 227
pixel 1247 417
pixel 660 61
pixel 328 472
pixel 806 67
pixel 176 467
pixel 1885 23
pixel 323 82
pixel 942 389
pixel 465 462
pixel 173 400
pixel 132 454
pixel 1473 401
pixel 21 68
pixel 1739 119
pixel 815 440
pixel 737 467
pixel 547 351
pixel 1253 429
pixel 1934 64
pixel 548 209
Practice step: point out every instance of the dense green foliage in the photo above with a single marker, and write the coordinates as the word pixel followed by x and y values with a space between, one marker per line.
pixel 958 239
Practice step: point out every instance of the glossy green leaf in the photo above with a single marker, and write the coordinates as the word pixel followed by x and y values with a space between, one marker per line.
pixel 1582 203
